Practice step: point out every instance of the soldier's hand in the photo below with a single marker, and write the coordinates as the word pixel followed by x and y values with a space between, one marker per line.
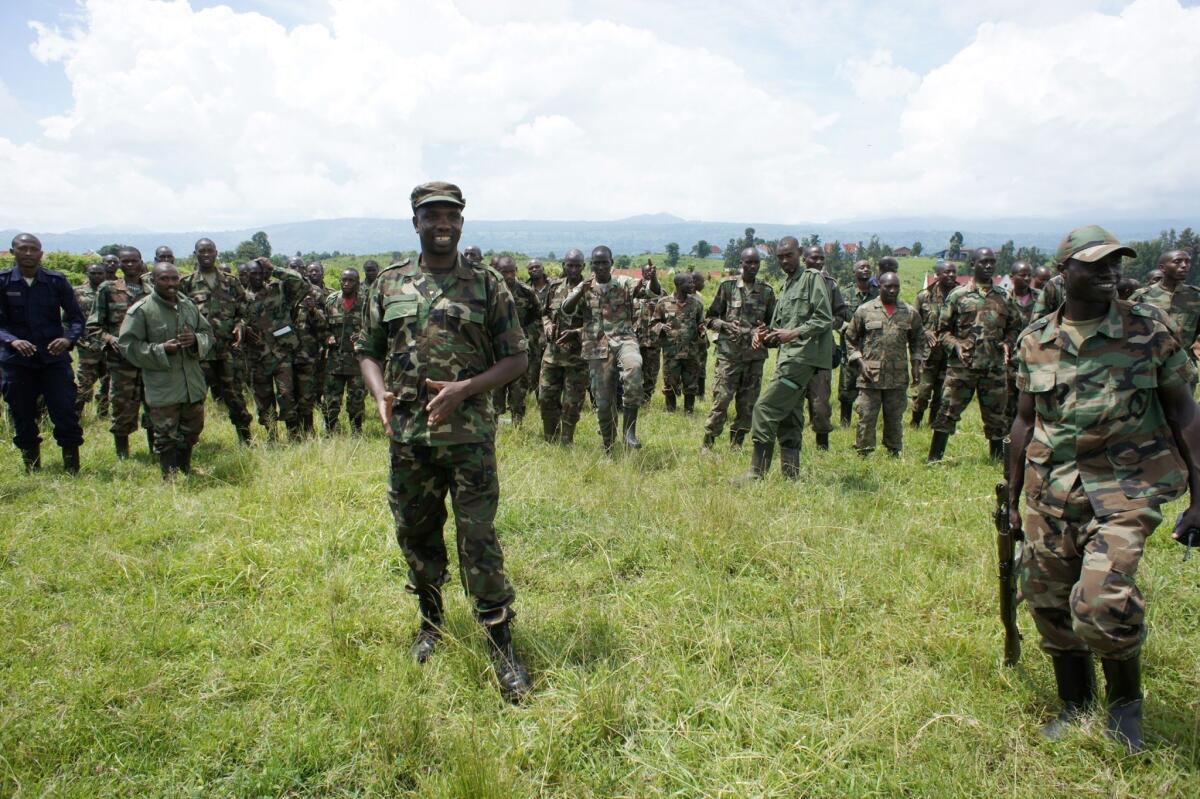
pixel 110 340
pixel 59 346
pixel 186 339
pixel 447 396
pixel 1014 523
pixel 784 336
pixel 931 339
pixel 566 337
pixel 171 346
pixel 24 347
pixel 1186 524
pixel 867 372
pixel 331 341
pixel 384 406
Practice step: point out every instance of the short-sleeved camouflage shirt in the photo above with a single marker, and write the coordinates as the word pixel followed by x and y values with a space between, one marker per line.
pixel 1182 307
pixel 344 325
pixel 678 325
pixel 976 326
pixel 1098 418
pixel 446 327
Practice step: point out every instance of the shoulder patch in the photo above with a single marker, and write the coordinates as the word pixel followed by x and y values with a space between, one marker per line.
pixel 1145 309
pixel 398 265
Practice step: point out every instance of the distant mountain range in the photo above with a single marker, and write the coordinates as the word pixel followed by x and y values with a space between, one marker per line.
pixel 633 235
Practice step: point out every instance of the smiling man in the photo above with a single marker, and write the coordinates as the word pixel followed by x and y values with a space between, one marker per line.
pixel 1106 432
pixel 449 334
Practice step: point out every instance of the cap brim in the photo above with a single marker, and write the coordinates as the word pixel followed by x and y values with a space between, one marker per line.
pixel 440 198
pixel 1090 255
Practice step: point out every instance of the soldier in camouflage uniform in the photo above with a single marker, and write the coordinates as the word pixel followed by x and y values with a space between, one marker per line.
pixel 1178 300
pixel 1041 276
pixel 979 327
pixel 222 301
pixel 882 338
pixel 271 342
pixel 513 395
pixel 1106 432
pixel 649 345
pixel 111 266
pixel 344 314
pixel 677 321
pixel 861 292
pixel 91 367
pixel 610 344
pixel 1024 297
pixel 308 364
pixel 564 377
pixel 741 305
pixel 1051 297
pixel 113 299
pixel 370 273
pixel 931 304
pixel 703 344
pixel 537 346
pixel 449 335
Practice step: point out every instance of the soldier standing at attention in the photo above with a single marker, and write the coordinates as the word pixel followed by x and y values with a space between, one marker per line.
pixel 529 313
pixel 91 366
pixel 979 326
pixel 344 313
pixel 864 290
pixel 802 328
pixel 742 305
pixel 222 301
pixel 564 378
pixel 271 342
pixel 882 338
pixel 649 344
pixel 1178 300
pixel 610 344
pixel 40 321
pixel 1024 297
pixel 1106 432
pixel 113 299
pixel 931 304
pixel 677 321
pixel 537 345
pixel 166 336
pixel 449 335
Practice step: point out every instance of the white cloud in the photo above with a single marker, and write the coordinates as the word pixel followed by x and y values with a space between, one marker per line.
pixel 876 79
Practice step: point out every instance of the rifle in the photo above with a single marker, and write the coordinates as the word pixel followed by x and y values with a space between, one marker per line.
pixel 1006 547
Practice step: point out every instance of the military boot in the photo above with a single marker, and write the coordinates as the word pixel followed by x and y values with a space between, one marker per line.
pixel 789 462
pixel 1076 688
pixel 168 460
pixel 760 461
pixel 630 428
pixel 518 418
pixel 122 446
pixel 70 460
pixel 550 429
pixel 566 435
pixel 243 434
pixel 915 421
pixel 1124 695
pixel 432 619
pixel 937 447
pixel 32 458
pixel 689 404
pixel 669 399
pixel 847 407
pixel 736 438
pixel 510 671
pixel 185 460
pixel 822 441
pixel 995 450
pixel 709 440
pixel 150 441
pixel 608 434
pixel 295 431
pixel 356 426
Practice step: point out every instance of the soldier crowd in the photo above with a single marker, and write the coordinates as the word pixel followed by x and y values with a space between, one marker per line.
pixel 1095 392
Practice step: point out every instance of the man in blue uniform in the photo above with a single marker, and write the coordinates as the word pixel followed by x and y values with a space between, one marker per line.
pixel 40 321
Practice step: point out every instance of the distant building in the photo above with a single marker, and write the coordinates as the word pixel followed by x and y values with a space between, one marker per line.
pixel 902 252
pixel 850 248
pixel 715 249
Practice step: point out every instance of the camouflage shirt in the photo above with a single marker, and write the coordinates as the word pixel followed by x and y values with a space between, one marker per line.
pixel 1098 418
pixel 542 293
pixel 113 299
pixel 644 308
pixel 736 310
pixel 344 326
pixel 1025 312
pixel 1052 296
pixel 85 295
pixel 311 325
pixel 555 322
pixel 529 312
pixel 858 298
pixel 677 324
pixel 223 304
pixel 804 305
pixel 270 324
pixel 885 343
pixel 931 303
pixel 448 327
pixel 1181 306
pixel 977 325
pixel 608 313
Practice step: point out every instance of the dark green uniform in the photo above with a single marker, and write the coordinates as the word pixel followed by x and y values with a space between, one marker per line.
pixel 678 323
pixel 91 367
pixel 512 397
pixel 308 364
pixel 848 376
pixel 342 373
pixel 564 378
pixel 931 304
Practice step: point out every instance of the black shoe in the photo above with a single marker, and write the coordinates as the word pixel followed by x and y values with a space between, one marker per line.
pixel 893 453
pixel 1076 688
pixel 760 461
pixel 243 434
pixel 630 428
pixel 185 460
pixel 432 618
pixel 937 447
pixel 70 460
pixel 996 450
pixel 709 440
pixel 168 460
pixel 689 404
pixel 32 458
pixel 550 429
pixel 510 671
pixel 822 441
pixel 736 438
pixel 1124 695
pixel 566 435
pixel 122 445
pixel 789 462
pixel 669 399
pixel 916 418
pixel 847 410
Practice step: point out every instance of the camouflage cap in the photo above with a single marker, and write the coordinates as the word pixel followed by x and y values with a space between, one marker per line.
pixel 1089 244
pixel 437 191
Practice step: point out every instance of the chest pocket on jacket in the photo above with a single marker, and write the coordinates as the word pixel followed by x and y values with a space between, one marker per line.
pixel 401 315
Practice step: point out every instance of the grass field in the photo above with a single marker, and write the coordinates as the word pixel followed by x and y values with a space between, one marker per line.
pixel 244 632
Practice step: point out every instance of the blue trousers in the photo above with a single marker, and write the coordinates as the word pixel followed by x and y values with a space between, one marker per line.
pixel 23 385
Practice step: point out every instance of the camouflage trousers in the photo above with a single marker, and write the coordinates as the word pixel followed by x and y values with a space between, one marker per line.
pixel 221 376
pixel 176 426
pixel 1010 382
pixel 309 374
pixel 274 384
pixel 651 363
pixel 961 386
pixel 92 368
pixel 929 389
pixel 738 382
pixel 418 481
pixel 848 383
pixel 702 369
pixel 125 395
pixel 681 373
pixel 1077 576
pixel 892 401
pixel 512 397
pixel 356 395
pixel 560 397
pixel 819 393
pixel 779 412
pixel 533 375
pixel 623 365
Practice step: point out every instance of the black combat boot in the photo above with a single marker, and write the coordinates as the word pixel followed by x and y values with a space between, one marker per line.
pixel 32 458
pixel 608 434
pixel 916 418
pixel 243 434
pixel 122 445
pixel 551 430
pixel 150 441
pixel 760 461
pixel 518 418
pixel 689 404
pixel 822 442
pixel 432 619
pixel 669 399
pixel 789 462
pixel 736 438
pixel 566 435
pixel 356 426
pixel 937 447
pixel 847 408
pixel 185 460
pixel 995 450
pixel 510 671
pixel 169 461
pixel 709 440
pixel 630 428
pixel 1124 695
pixel 295 431
pixel 70 460
pixel 893 453
pixel 1076 688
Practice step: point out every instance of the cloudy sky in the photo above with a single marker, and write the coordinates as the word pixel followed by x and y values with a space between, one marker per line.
pixel 181 114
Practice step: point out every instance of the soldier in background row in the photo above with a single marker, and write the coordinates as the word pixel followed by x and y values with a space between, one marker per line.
pixel 537 345
pixel 1176 298
pixel 649 345
pixel 1024 298
pixel 513 396
pixel 90 369
pixel 702 342
pixel 343 312
pixel 864 289
pixel 564 377
pixel 931 304
pixel 308 362
pixel 271 343
pixel 677 322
